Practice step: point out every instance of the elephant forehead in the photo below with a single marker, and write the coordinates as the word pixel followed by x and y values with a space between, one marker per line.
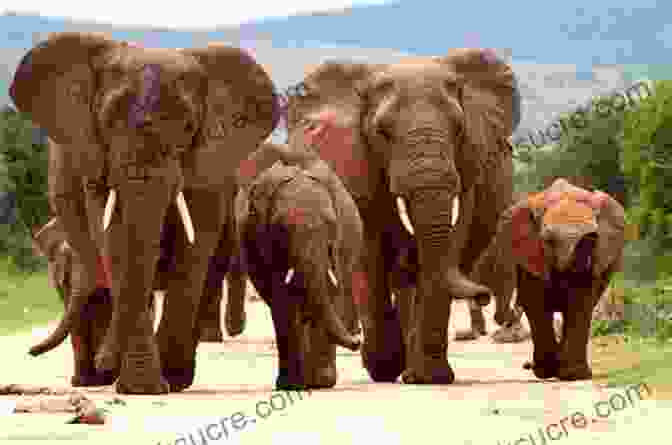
pixel 568 211
pixel 170 62
pixel 552 197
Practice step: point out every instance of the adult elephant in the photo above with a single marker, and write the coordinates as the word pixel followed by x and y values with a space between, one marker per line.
pixel 428 134
pixel 146 134
pixel 566 242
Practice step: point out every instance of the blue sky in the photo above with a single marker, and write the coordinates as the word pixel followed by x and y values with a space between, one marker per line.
pixel 196 14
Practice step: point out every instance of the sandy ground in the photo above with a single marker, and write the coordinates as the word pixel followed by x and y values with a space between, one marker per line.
pixel 493 401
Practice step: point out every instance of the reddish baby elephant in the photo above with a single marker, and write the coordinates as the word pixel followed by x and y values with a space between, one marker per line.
pixel 567 242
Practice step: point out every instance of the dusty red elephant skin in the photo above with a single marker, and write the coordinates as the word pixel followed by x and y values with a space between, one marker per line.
pixel 559 205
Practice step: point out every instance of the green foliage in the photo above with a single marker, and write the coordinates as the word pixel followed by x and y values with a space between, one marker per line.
pixel 23 171
pixel 590 146
pixel 647 159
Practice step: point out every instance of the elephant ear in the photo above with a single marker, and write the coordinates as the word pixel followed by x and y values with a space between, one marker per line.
pixel 241 108
pixel 55 85
pixel 517 238
pixel 526 243
pixel 331 101
pixel 611 234
pixel 491 101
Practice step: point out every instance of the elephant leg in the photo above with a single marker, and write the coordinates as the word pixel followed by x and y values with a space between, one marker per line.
pixel 404 299
pixel 320 358
pixel 209 318
pixel 178 333
pixel 576 320
pixel 383 353
pixel 235 317
pixel 285 304
pixel 477 327
pixel 533 298
pixel 96 318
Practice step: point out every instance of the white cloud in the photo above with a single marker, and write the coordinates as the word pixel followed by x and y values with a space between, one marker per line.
pixel 192 14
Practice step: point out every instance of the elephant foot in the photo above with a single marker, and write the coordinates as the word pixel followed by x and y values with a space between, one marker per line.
pixel 514 333
pixel 434 374
pixel 160 387
pixel 542 370
pixel 578 371
pixel 386 360
pixel 287 382
pixel 211 334
pixel 235 324
pixel 180 378
pixel 467 334
pixel 323 377
pixel 96 378
pixel 141 374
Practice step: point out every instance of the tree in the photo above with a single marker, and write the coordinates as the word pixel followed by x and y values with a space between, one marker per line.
pixel 587 152
pixel 648 161
pixel 23 177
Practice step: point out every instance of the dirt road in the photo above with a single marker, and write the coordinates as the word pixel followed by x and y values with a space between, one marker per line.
pixel 492 402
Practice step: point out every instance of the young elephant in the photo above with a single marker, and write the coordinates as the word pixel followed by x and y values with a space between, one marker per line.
pixel 50 241
pixel 297 229
pixel 567 242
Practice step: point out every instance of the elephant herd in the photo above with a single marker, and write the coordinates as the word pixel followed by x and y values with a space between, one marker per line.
pixel 392 197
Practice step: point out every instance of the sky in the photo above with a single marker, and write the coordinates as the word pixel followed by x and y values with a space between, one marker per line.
pixel 198 14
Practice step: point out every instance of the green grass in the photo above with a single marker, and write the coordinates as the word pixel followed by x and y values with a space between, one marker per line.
pixel 619 363
pixel 26 300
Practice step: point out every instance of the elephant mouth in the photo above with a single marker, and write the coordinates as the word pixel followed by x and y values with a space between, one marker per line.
pixel 402 211
pixel 180 202
pixel 332 276
pixel 583 253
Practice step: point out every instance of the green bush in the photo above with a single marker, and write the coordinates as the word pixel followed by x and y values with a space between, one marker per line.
pixel 23 171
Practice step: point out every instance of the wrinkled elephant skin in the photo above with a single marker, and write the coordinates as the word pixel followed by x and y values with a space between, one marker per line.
pixel 298 230
pixel 416 141
pixel 139 138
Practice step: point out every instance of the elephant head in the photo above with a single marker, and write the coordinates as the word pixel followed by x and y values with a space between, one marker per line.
pixel 137 126
pixel 568 229
pixel 424 130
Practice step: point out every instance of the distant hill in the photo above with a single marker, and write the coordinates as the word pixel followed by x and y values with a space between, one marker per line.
pixel 545 56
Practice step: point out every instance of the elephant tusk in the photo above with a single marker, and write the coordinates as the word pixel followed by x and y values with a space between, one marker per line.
pixel 403 214
pixel 332 276
pixel 456 210
pixel 109 209
pixel 288 277
pixel 186 219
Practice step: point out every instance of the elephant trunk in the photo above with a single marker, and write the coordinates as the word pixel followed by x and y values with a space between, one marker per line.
pixel 315 270
pixel 73 311
pixel 439 247
pixel 82 274
pixel 427 183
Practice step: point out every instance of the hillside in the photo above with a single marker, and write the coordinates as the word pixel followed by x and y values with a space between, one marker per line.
pixel 550 82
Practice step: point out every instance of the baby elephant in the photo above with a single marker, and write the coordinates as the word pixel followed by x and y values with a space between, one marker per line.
pixel 299 235
pixel 567 242
pixel 50 241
